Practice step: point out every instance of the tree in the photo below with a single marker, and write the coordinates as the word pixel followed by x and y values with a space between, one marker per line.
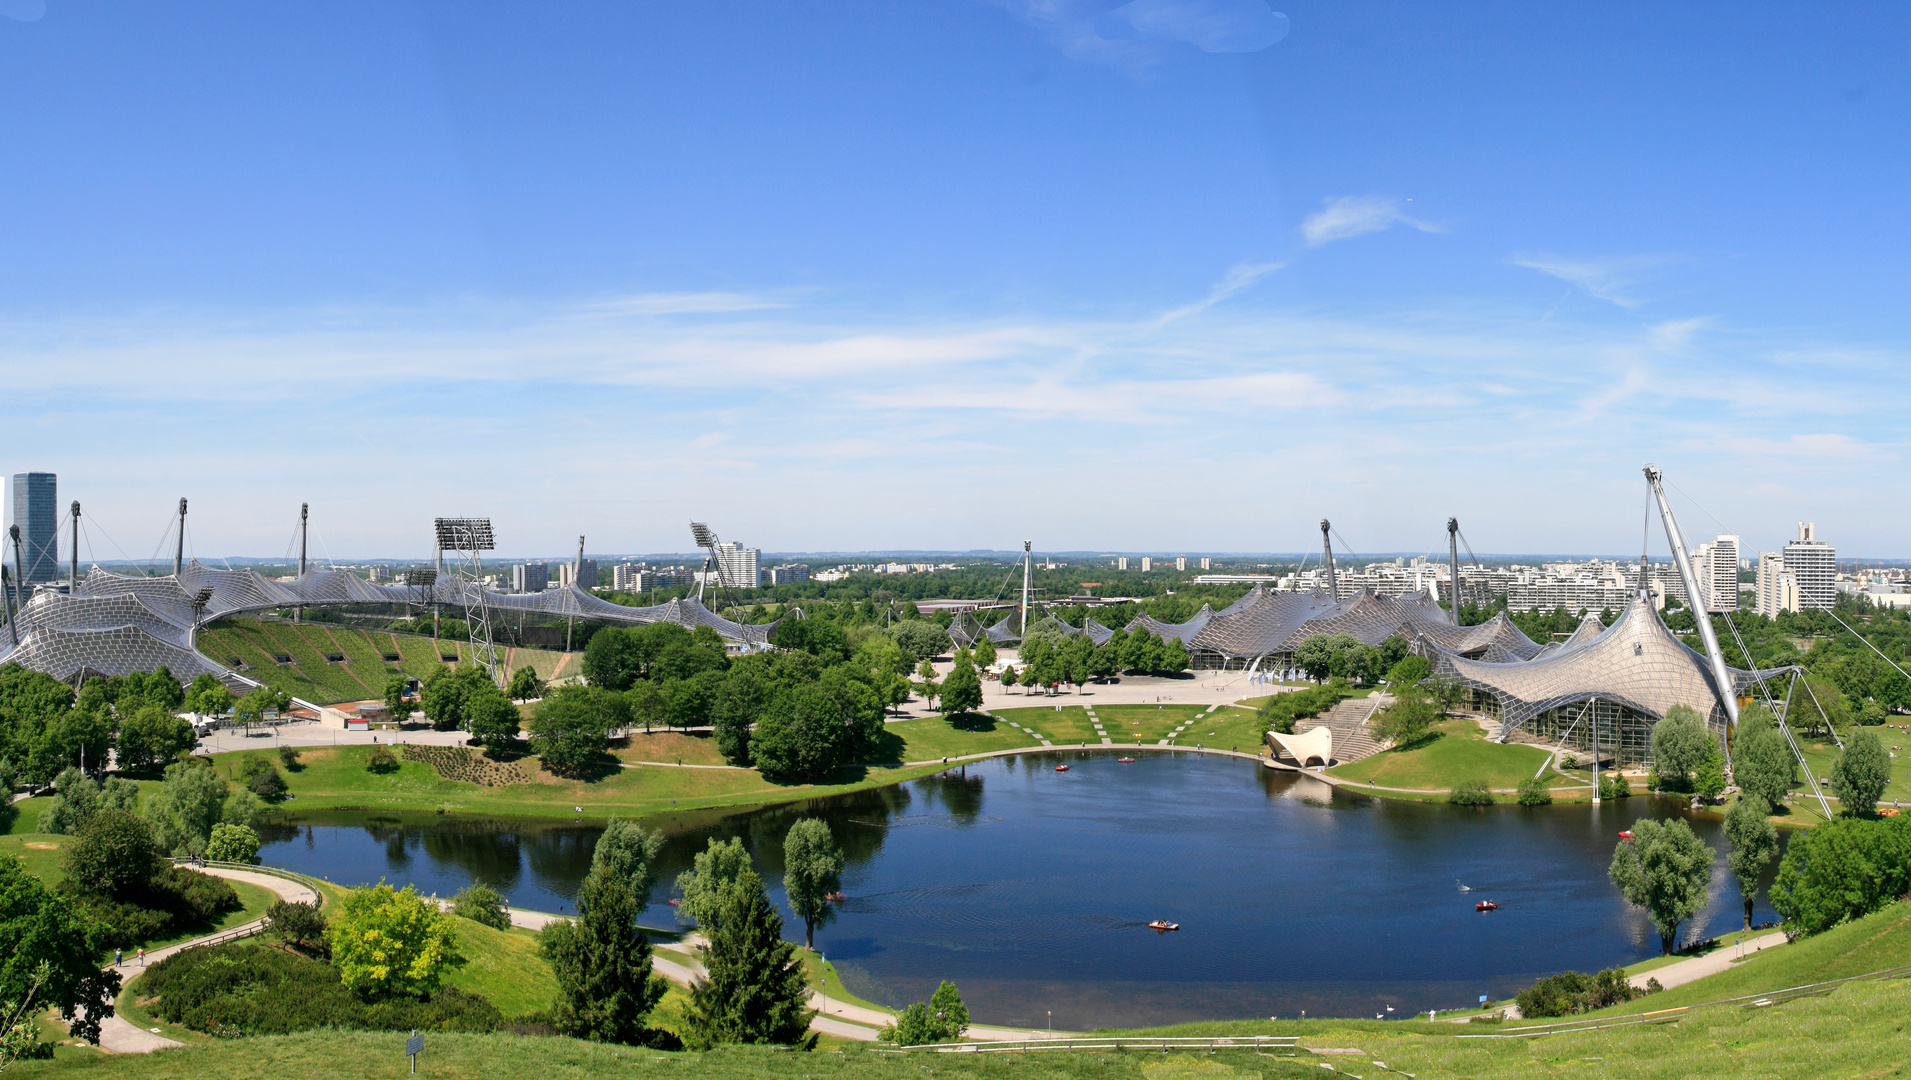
pixel 152 737
pixel 602 962
pixel 1409 671
pixel 1861 773
pixel 445 695
pixel 187 807
pixel 1008 677
pixel 297 924
pixel 920 638
pixel 395 704
pixel 647 704
pixel 714 871
pixel 40 927
pixel 1315 657
pixel 691 700
pixel 812 870
pixel 1678 747
pixel 800 736
pixel 524 684
pixel 739 700
pixel 1665 869
pixel 214 701
pixel 113 857
pixel 962 689
pixel 928 687
pixel 232 843
pixel 1844 869
pixel 754 989
pixel 626 853
pixel 201 684
pixel 567 730
pixel 1761 760
pixel 1408 719
pixel 252 708
pixel 261 778
pixel 1173 657
pixel 942 1019
pixel 385 943
pixel 491 718
pixel 1754 840
pixel 947 1007
pixel 985 655
pixel 1709 780
pixel 76 796
pixel 481 904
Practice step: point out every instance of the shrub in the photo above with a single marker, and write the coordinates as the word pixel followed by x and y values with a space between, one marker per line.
pixel 267 783
pixel 1614 787
pixel 1534 792
pixel 481 904
pixel 114 857
pixel 1471 793
pixel 248 989
pixel 380 760
pixel 458 763
pixel 297 924
pixel 289 757
pixel 389 942
pixel 1571 992
pixel 233 843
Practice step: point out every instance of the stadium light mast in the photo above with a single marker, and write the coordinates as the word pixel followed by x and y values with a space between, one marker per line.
pixel 305 510
pixel 73 568
pixel 179 547
pixel 1695 599
pixel 577 583
pixel 1327 556
pixel 1453 564
pixel 13 612
pixel 1028 559
pixel 468 539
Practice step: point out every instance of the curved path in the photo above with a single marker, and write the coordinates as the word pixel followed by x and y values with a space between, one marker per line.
pixel 117 1034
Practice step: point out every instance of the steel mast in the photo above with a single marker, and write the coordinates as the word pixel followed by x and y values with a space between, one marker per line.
pixel 1327 556
pixel 1028 556
pixel 1453 564
pixel 1695 599
pixel 179 550
pixel 73 570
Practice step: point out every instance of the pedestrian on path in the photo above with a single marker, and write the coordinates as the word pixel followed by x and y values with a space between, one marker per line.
pixel 142 956
pixel 119 957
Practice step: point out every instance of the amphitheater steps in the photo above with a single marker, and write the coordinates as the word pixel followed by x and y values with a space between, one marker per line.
pixel 1348 721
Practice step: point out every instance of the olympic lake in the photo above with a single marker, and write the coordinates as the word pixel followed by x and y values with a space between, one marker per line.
pixel 1030 889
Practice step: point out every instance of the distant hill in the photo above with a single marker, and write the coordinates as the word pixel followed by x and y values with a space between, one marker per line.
pixel 298 658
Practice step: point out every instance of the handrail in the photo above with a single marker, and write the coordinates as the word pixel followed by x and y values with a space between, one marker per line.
pixel 1139 1042
pixel 1769 997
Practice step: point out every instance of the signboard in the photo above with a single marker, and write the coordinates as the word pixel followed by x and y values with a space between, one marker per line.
pixel 413 1047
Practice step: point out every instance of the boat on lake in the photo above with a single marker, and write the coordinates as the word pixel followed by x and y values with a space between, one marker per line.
pixel 1163 926
pixel 1061 768
pixel 1486 905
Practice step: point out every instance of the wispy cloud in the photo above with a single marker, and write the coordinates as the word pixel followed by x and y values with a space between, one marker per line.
pixel 1216 26
pixel 1353 215
pixel 684 303
pixel 1238 277
pixel 1611 280
pixel 1675 335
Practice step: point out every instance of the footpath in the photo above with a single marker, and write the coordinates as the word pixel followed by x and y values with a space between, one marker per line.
pixel 117 1034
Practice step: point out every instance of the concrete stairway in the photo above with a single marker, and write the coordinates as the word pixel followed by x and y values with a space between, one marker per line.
pixel 1348 721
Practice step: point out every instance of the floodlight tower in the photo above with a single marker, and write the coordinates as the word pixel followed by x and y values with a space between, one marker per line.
pixel 305 510
pixel 706 539
pixel 73 568
pixel 1453 564
pixel 1728 693
pixel 1327 556
pixel 468 539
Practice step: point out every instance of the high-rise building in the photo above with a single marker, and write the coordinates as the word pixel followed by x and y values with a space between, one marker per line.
pixel 738 566
pixel 1147 564
pixel 582 573
pixel 35 507
pixel 530 577
pixel 1718 573
pixel 1207 563
pixel 1814 565
pixel 1777 585
pixel 788 573
pixel 1181 562
pixel 624 575
pixel 1121 562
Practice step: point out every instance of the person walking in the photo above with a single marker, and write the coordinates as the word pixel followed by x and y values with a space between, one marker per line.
pixel 119 957
pixel 142 956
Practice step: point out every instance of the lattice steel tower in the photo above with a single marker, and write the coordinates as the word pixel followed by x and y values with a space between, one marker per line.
pixel 466 540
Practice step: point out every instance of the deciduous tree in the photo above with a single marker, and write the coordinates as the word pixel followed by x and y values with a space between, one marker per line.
pixel 1665 869
pixel 715 870
pixel 1754 840
pixel 387 942
pixel 1861 773
pixel 812 870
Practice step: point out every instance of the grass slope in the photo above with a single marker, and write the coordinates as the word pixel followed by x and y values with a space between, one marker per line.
pixel 1454 752
pixel 256 642
pixel 504 966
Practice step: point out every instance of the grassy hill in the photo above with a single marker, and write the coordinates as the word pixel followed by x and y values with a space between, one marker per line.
pixel 256 646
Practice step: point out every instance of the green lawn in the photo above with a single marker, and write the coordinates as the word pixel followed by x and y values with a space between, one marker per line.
pixel 660 745
pixel 255 642
pixel 1229 726
pixel 932 737
pixel 1821 755
pixel 504 967
pixel 1455 752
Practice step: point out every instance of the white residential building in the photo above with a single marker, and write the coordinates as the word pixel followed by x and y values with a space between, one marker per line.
pixel 1814 565
pixel 1716 563
pixel 1147 564
pixel 737 566
pixel 1121 563
pixel 1207 563
pixel 530 577
pixel 1777 585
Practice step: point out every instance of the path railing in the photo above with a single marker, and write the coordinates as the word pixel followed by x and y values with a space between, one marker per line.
pixel 1660 1016
pixel 997 1046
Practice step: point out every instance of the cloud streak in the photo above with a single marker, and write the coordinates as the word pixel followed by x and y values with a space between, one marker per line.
pixel 1345 216
pixel 1611 280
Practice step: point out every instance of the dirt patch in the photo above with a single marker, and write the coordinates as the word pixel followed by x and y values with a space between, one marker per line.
pixel 41 845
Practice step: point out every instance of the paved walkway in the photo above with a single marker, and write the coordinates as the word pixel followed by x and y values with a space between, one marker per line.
pixel 1681 972
pixel 117 1034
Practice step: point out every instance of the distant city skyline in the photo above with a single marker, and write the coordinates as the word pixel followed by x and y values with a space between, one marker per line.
pixel 892 276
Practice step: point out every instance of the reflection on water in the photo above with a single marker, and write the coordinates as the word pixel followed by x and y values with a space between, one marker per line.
pixel 1031 889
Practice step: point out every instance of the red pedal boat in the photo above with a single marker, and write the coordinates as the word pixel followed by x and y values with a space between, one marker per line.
pixel 1163 926
pixel 1061 768
pixel 1126 760
pixel 1486 905
pixel 1625 834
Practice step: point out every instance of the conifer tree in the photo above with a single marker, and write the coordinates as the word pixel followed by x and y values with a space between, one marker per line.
pixel 754 989
pixel 605 985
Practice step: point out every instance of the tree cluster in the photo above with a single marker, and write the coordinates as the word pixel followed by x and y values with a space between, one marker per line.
pixel 1572 992
pixel 1341 656
pixel 1844 869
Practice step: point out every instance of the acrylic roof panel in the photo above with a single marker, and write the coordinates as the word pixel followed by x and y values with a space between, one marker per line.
pixel 1096 632
pixel 1259 622
pixel 1369 619
pixel 1497 633
pixel 1185 631
pixel 1636 662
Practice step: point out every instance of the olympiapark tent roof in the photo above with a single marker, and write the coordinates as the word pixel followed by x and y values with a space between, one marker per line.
pixel 114 624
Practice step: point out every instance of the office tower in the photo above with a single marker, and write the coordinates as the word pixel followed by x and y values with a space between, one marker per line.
pixel 36 509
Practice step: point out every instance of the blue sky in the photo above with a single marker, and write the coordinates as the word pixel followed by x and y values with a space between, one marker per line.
pixel 1175 275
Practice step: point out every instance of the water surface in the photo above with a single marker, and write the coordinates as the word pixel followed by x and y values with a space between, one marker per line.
pixel 1031 889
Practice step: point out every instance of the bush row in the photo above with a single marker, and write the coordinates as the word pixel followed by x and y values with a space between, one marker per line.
pixel 458 763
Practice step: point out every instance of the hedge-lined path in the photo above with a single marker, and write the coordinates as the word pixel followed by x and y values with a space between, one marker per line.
pixel 117 1034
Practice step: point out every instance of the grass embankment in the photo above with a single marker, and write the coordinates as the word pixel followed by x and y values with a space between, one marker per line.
pixel 1184 725
pixel 255 645
pixel 42 853
pixel 1455 752
pixel 335 778
pixel 694 748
